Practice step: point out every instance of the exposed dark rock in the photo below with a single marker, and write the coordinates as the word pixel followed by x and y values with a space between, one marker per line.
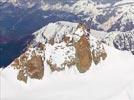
pixel 51 41
pixel 35 67
pixel 124 41
pixel 132 52
pixel 83 54
pixel 97 56
pixel 41 46
pixel 66 39
pixel 22 76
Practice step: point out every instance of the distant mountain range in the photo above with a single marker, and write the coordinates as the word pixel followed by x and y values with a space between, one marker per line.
pixel 105 15
pixel 19 18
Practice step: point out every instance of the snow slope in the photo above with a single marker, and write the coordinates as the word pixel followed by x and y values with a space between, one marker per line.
pixel 109 80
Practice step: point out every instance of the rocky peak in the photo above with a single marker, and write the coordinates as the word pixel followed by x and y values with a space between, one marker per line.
pixel 59 46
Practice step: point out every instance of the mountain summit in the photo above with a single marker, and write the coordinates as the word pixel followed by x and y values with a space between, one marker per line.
pixel 67 49
pixel 64 60
pixel 59 46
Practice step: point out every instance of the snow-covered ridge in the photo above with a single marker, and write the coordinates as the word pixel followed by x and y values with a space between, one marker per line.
pixel 57 47
pixel 100 16
pixel 114 77
pixel 124 2
pixel 121 17
pixel 120 40
pixel 114 17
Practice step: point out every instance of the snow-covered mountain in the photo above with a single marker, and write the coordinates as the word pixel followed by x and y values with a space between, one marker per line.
pixel 122 18
pixel 75 57
pixel 105 15
pixel 71 53
pixel 59 46
pixel 22 3
pixel 120 40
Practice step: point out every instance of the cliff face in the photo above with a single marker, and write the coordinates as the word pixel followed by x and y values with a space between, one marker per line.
pixel 59 46
pixel 83 54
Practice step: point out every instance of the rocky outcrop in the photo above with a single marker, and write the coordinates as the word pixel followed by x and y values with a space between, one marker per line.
pixel 97 56
pixel 29 65
pixel 83 54
pixel 32 68
pixel 71 47
pixel 35 67
pixel 98 53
